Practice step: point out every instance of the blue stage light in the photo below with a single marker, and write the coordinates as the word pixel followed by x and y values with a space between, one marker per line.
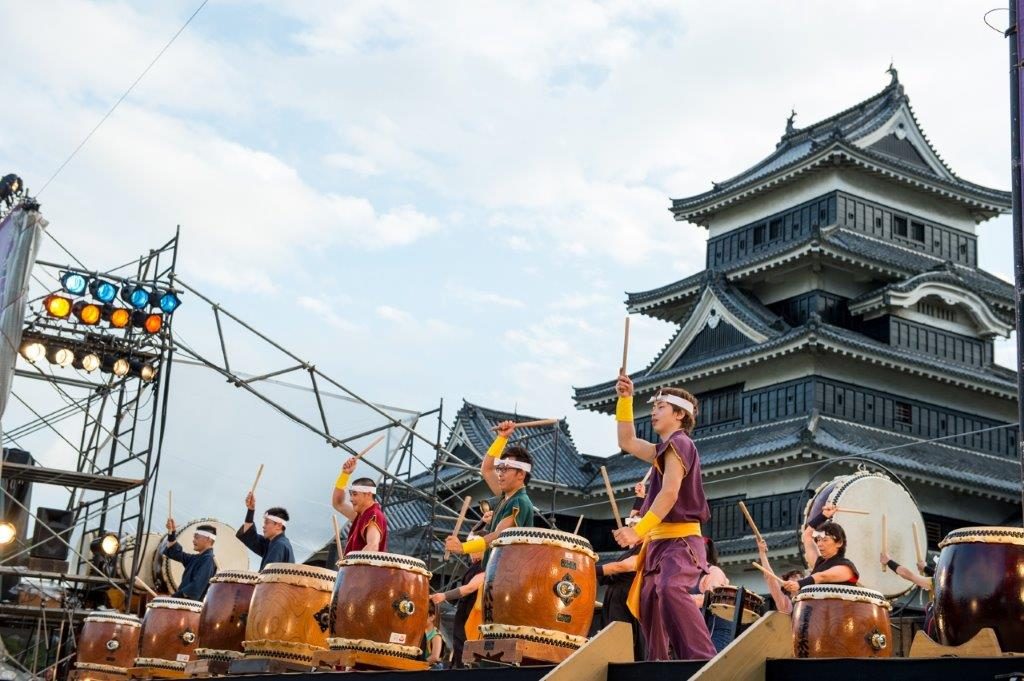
pixel 103 291
pixel 135 295
pixel 74 283
pixel 169 302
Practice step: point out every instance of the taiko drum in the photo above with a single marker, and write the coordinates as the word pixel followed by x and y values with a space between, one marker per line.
pixel 169 633
pixel 225 611
pixel 109 642
pixel 539 584
pixel 289 616
pixel 837 620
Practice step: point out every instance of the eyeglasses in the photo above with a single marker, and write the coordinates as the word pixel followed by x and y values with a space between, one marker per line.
pixel 821 537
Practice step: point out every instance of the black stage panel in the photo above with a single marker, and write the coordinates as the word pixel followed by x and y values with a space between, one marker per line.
pixel 647 671
pixel 481 674
pixel 904 669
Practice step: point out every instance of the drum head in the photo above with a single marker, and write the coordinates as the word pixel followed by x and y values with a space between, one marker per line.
pixel 880 496
pixel 127 556
pixel 229 552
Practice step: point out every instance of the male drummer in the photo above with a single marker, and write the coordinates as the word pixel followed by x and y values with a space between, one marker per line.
pixel 673 557
pixel 825 550
pixel 272 545
pixel 507 473
pixel 199 566
pixel 359 504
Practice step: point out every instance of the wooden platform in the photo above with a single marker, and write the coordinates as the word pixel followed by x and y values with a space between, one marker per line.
pixel 91 675
pixel 339 660
pixel 265 666
pixel 197 669
pixel 513 651
pixel 147 673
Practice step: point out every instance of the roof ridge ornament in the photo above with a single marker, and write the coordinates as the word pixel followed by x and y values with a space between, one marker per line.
pixel 893 73
pixel 790 128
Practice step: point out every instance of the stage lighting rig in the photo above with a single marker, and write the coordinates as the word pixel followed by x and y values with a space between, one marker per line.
pixel 8 532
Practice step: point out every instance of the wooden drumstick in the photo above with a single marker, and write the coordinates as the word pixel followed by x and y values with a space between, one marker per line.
pixel 768 572
pixel 458 522
pixel 170 505
pixel 917 544
pixel 533 424
pixel 337 537
pixel 259 473
pixel 647 476
pixel 855 511
pixel 611 497
pixel 369 447
pixel 746 514
pixel 579 523
pixel 139 582
pixel 885 539
pixel 625 346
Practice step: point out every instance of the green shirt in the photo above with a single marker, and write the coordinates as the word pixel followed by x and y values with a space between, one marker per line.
pixel 518 506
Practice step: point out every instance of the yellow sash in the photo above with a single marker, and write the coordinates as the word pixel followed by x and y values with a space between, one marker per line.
pixel 659 531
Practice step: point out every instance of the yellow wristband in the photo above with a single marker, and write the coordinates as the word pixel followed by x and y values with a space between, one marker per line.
pixel 497 447
pixel 624 409
pixel 646 524
pixel 478 545
pixel 342 480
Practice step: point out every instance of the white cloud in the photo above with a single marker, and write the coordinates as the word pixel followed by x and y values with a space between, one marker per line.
pixel 472 295
pixel 422 330
pixel 326 310
pixel 580 301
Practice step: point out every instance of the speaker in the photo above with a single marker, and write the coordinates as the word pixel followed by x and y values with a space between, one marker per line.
pixel 45 545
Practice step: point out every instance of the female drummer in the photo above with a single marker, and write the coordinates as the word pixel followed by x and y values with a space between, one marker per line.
pixel 825 550
pixel 783 603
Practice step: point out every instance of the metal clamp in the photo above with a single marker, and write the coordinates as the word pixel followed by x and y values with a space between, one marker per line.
pixel 877 640
pixel 404 606
pixel 188 637
pixel 567 590
pixel 113 644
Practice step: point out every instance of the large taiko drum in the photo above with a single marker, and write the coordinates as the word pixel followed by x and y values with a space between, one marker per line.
pixel 879 495
pixel 126 557
pixel 289 616
pixel 979 582
pixel 225 611
pixel 723 604
pixel 108 643
pixel 837 620
pixel 539 584
pixel 380 605
pixel 229 552
pixel 169 633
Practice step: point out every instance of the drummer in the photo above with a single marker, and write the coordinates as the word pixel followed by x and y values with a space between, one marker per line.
pixel 272 545
pixel 359 504
pixel 825 549
pixel 507 473
pixel 199 566
pixel 783 603
pixel 464 627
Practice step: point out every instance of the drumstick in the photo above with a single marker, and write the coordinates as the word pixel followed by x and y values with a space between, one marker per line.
pixel 746 514
pixel 647 476
pixel 768 572
pixel 885 539
pixel 857 511
pixel 611 497
pixel 917 544
pixel 337 536
pixel 139 582
pixel 578 524
pixel 533 424
pixel 458 523
pixel 170 505
pixel 625 345
pixel 259 472
pixel 369 447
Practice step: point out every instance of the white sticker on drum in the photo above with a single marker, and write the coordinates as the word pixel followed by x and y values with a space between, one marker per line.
pixel 181 657
pixel 397 638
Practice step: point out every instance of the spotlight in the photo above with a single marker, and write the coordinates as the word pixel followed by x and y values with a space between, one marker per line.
pixel 103 291
pixel 143 370
pixel 117 317
pixel 89 362
pixel 87 313
pixel 62 357
pixel 57 306
pixel 8 532
pixel 152 323
pixel 74 283
pixel 105 545
pixel 115 365
pixel 135 295
pixel 32 351
pixel 167 301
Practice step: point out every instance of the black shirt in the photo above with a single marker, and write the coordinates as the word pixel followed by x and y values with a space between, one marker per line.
pixel 821 565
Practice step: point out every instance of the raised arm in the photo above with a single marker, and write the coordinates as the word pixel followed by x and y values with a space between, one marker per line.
pixel 505 430
pixel 628 441
pixel 339 497
pixel 250 512
pixel 782 603
pixel 905 572
pixel 810 548
pixel 663 503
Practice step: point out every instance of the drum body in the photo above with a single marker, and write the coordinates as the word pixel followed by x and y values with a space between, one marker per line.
pixel 539 584
pixel 723 604
pixel 836 620
pixel 224 614
pixel 169 633
pixel 108 643
pixel 979 582
pixel 146 554
pixel 877 494
pixel 230 552
pixel 289 616
pixel 380 604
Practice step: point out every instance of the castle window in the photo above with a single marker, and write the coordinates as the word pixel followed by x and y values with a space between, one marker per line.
pixel 899 226
pixel 904 414
pixel 758 235
pixel 878 221
pixel 917 231
pixel 774 229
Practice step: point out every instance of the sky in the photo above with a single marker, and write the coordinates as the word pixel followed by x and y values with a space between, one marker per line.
pixel 437 200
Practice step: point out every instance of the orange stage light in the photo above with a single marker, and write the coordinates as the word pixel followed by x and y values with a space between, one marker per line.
pixel 57 306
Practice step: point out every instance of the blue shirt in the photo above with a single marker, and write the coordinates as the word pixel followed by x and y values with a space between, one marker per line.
pixel 276 550
pixel 199 568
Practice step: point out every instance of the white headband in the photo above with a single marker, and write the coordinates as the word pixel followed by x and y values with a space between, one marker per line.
pixel 512 463
pixel 204 533
pixel 363 488
pixel 276 519
pixel 673 399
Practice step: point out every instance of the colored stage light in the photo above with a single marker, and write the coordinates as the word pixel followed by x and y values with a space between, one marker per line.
pixel 135 295
pixel 169 302
pixel 151 323
pixel 88 362
pixel 87 313
pixel 8 532
pixel 32 351
pixel 57 306
pixel 74 283
pixel 103 291
pixel 62 357
pixel 117 317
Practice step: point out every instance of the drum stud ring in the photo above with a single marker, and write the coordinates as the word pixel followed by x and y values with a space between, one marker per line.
pixel 322 617
pixel 188 637
pixel 404 606
pixel 113 644
pixel 877 640
pixel 567 590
